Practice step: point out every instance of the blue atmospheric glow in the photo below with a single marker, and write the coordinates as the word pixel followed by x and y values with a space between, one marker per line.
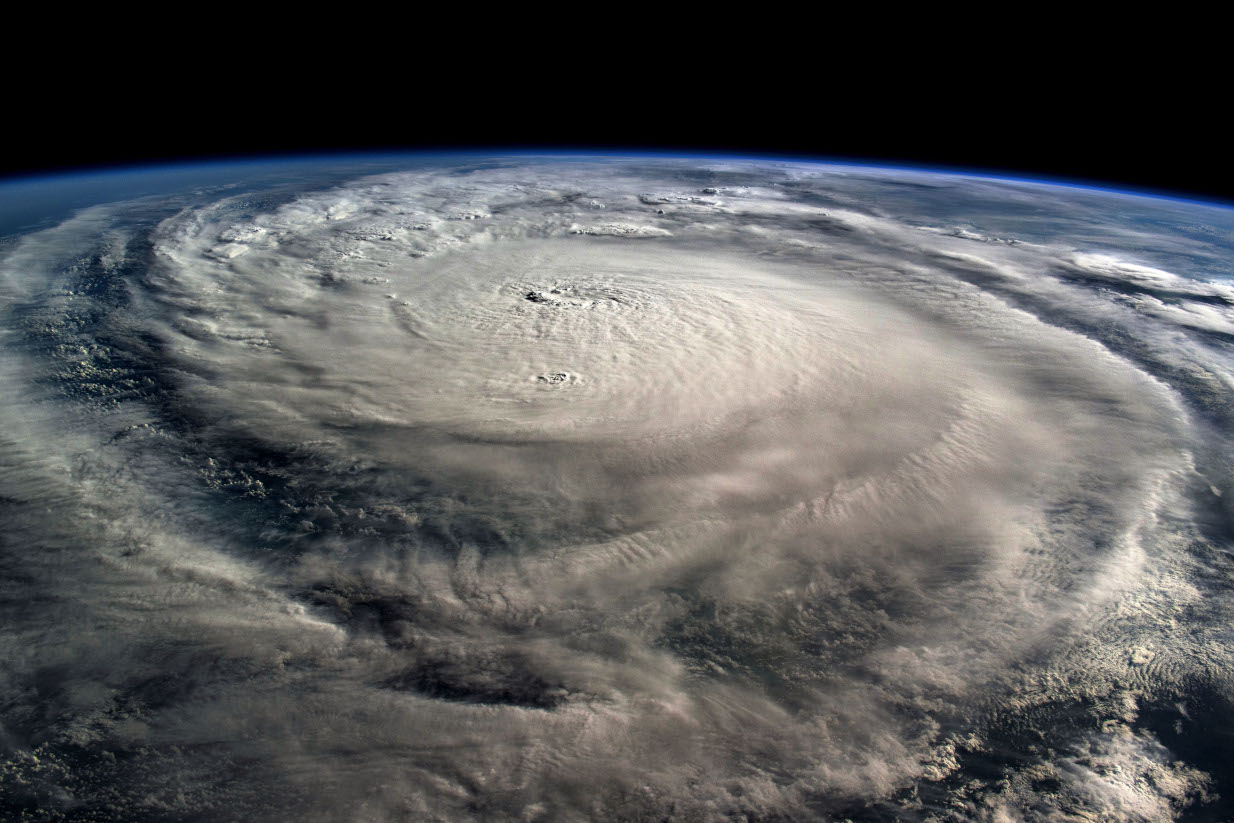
pixel 225 164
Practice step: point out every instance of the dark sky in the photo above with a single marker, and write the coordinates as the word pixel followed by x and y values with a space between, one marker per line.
pixel 1100 123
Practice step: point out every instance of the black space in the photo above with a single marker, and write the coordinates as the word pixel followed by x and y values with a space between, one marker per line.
pixel 1138 124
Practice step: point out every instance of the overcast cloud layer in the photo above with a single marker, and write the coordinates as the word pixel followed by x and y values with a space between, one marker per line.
pixel 589 489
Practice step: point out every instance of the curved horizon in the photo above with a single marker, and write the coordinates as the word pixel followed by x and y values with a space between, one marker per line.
pixel 1005 175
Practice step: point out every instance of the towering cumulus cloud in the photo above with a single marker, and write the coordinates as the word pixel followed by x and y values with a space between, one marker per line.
pixel 569 489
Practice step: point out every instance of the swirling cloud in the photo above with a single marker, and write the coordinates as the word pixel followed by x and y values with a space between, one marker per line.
pixel 560 489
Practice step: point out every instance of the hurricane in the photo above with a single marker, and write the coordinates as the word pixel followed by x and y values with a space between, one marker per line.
pixel 567 488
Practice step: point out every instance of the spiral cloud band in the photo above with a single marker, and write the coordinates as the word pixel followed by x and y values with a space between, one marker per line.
pixel 573 489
